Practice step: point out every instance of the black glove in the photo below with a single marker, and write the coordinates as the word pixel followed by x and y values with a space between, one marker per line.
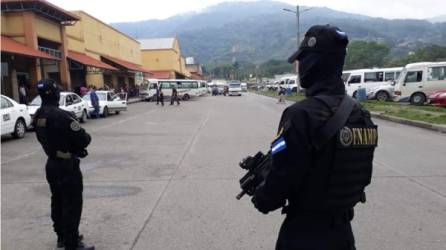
pixel 82 154
pixel 257 204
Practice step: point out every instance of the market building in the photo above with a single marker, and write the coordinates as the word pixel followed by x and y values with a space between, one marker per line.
pixel 33 45
pixel 163 57
pixel 102 56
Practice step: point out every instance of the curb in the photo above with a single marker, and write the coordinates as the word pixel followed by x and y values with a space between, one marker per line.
pixel 419 124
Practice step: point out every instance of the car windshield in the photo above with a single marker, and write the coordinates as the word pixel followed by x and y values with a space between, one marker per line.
pixel 234 85
pixel 37 101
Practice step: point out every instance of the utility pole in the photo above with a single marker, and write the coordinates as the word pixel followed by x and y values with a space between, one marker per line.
pixel 298 26
pixel 297 12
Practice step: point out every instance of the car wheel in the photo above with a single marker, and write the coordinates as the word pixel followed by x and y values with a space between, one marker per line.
pixel 105 113
pixel 19 128
pixel 117 112
pixel 84 116
pixel 418 99
pixel 354 95
pixel 382 96
pixel 186 97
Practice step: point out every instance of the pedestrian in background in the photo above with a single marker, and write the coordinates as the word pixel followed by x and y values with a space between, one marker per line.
pixel 161 95
pixel 23 94
pixel 157 89
pixel 174 96
pixel 83 91
pixel 94 99
pixel 64 142
pixel 281 95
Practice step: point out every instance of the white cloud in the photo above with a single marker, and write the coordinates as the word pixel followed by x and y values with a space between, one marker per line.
pixel 134 10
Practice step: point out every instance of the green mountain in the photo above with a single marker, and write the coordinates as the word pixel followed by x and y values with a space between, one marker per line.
pixel 260 31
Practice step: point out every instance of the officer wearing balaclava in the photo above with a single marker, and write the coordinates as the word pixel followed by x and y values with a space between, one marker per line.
pixel 64 142
pixel 322 155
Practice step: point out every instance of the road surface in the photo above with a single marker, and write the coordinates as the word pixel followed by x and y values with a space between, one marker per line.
pixel 166 178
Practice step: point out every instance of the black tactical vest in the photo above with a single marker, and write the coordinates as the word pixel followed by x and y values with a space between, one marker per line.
pixel 342 169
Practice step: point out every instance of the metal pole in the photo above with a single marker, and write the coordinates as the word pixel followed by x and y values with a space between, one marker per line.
pixel 298 28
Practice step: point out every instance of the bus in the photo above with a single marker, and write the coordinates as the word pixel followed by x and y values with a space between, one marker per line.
pixel 187 89
pixel 419 80
pixel 369 79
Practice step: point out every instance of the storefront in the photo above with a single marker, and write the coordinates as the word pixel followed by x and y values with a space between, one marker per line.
pixel 19 64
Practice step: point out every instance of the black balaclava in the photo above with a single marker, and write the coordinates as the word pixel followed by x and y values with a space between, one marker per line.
pixel 321 73
pixel 321 58
pixel 49 92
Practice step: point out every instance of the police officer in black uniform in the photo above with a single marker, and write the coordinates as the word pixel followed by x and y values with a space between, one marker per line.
pixel 322 156
pixel 64 142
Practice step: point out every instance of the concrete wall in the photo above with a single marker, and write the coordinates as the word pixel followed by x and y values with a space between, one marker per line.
pixel 47 29
pixel 12 24
pixel 101 39
pixel 161 60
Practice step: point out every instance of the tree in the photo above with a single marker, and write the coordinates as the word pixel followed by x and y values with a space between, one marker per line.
pixel 362 54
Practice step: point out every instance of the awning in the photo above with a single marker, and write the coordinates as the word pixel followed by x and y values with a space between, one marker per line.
pixel 10 45
pixel 88 60
pixel 161 74
pixel 127 65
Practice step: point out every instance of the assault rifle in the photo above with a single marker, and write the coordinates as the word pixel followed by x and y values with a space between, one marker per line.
pixel 258 167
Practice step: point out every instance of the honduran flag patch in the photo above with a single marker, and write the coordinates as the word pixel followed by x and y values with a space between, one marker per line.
pixel 278 145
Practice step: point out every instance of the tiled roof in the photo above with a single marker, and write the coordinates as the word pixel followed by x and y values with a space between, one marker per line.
pixel 10 45
pixel 88 60
pixel 127 65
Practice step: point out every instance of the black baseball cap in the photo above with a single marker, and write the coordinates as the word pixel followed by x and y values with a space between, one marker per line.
pixel 322 39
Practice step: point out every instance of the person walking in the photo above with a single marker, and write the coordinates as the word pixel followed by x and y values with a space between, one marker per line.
pixel 174 96
pixel 161 95
pixel 94 99
pixel 157 89
pixel 64 142
pixel 322 157
pixel 281 95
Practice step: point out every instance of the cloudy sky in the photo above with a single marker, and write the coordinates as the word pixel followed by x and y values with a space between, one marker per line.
pixel 135 10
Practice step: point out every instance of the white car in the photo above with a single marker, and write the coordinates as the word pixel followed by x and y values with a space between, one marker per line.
pixel 108 102
pixel 15 118
pixel 68 101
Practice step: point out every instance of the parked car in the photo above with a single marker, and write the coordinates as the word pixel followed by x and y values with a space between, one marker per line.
pixel 68 101
pixel 15 118
pixel 368 79
pixel 438 98
pixel 108 102
pixel 420 80
pixel 383 92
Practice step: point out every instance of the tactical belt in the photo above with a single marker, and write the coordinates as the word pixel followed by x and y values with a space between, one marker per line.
pixel 63 155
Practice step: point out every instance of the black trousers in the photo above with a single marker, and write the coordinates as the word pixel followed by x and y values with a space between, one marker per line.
pixel 316 232
pixel 160 98
pixel 173 99
pixel 65 180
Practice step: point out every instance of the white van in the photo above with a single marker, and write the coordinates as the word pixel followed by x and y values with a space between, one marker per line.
pixel 187 89
pixel 289 82
pixel 369 79
pixel 419 80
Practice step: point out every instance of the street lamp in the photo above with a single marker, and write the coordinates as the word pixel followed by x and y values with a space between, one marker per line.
pixel 297 12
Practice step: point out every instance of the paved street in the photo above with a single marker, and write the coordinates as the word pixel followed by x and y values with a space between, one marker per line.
pixel 166 178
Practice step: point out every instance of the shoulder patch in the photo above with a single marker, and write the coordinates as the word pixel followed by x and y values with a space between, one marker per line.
pixel 41 122
pixel 75 126
pixel 278 145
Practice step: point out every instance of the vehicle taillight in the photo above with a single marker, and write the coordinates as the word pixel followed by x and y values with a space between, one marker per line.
pixel 397 92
